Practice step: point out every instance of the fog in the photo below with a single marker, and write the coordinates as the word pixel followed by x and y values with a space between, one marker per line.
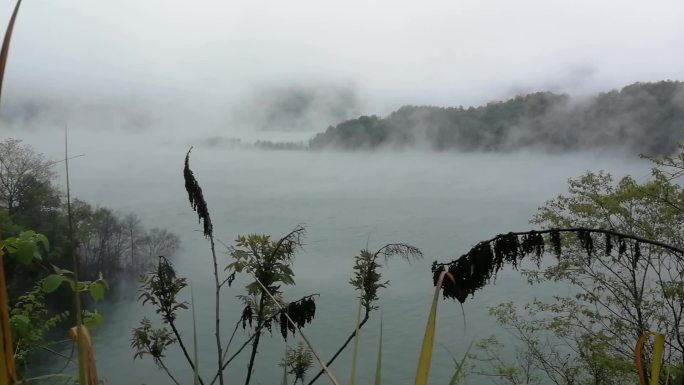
pixel 181 68
pixel 137 83
pixel 443 203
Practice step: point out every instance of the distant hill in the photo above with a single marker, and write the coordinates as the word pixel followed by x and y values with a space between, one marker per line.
pixel 640 118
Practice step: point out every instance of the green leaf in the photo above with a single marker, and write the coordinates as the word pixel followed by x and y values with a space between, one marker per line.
pixel 52 282
pixel 25 250
pixel 92 319
pixel 27 234
pixel 43 239
pixel 97 291
pixel 21 320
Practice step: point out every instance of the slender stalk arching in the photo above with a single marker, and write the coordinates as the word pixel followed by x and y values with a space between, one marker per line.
pixel 80 337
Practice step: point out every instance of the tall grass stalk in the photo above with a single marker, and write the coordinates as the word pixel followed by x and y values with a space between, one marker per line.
pixel 199 205
pixel 378 364
pixel 80 336
pixel 8 370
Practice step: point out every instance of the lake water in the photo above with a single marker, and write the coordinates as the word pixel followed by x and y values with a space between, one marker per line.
pixel 442 203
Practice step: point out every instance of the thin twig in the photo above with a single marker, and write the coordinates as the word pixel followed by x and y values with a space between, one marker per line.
pixel 341 349
pixel 257 330
pixel 182 346
pixel 301 334
pixel 168 373
pixel 80 336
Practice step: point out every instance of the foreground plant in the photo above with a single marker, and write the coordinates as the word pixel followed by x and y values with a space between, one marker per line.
pixel 297 362
pixel 8 371
pixel 619 247
pixel 367 280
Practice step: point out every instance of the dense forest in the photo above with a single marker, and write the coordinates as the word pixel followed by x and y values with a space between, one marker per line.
pixel 109 243
pixel 640 118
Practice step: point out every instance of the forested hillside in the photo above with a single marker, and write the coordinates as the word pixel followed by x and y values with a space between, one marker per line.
pixel 640 118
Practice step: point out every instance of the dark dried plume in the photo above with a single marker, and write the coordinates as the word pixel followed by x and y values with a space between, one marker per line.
pixel 622 246
pixel 302 312
pixel 609 244
pixel 247 315
pixel 479 266
pixel 196 197
pixel 556 243
pixel 585 239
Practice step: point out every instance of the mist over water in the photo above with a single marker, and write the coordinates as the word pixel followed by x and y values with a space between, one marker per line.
pixel 443 203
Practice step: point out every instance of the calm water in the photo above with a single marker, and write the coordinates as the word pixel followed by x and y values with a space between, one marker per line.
pixel 442 203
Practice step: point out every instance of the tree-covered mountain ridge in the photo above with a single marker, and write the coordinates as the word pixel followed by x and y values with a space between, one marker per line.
pixel 643 118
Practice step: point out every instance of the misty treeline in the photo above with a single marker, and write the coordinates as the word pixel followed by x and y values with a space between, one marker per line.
pixel 640 118
pixel 108 243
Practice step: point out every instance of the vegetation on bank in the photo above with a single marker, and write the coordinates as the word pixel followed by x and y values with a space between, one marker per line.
pixel 40 228
pixel 115 245
pixel 619 244
pixel 640 118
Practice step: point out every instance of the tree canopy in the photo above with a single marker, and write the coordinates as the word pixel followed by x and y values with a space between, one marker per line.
pixel 619 245
pixel 640 118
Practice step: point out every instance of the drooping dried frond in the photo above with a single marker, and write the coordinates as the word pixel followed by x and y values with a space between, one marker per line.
pixel 585 239
pixel 405 251
pixel 288 244
pixel 196 197
pixel 477 267
pixel 555 241
pixel 301 312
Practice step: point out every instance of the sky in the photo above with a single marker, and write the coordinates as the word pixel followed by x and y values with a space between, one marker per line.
pixel 224 63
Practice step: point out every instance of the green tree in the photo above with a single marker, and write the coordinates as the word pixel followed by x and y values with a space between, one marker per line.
pixel 20 168
pixel 626 281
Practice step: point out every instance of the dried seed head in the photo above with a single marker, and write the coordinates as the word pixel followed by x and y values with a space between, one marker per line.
pixel 196 197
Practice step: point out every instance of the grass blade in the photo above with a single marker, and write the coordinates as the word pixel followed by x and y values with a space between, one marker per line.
pixel 657 357
pixel 425 358
pixel 81 334
pixel 8 371
pixel 378 365
pixel 639 360
pixel 4 53
pixel 458 373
